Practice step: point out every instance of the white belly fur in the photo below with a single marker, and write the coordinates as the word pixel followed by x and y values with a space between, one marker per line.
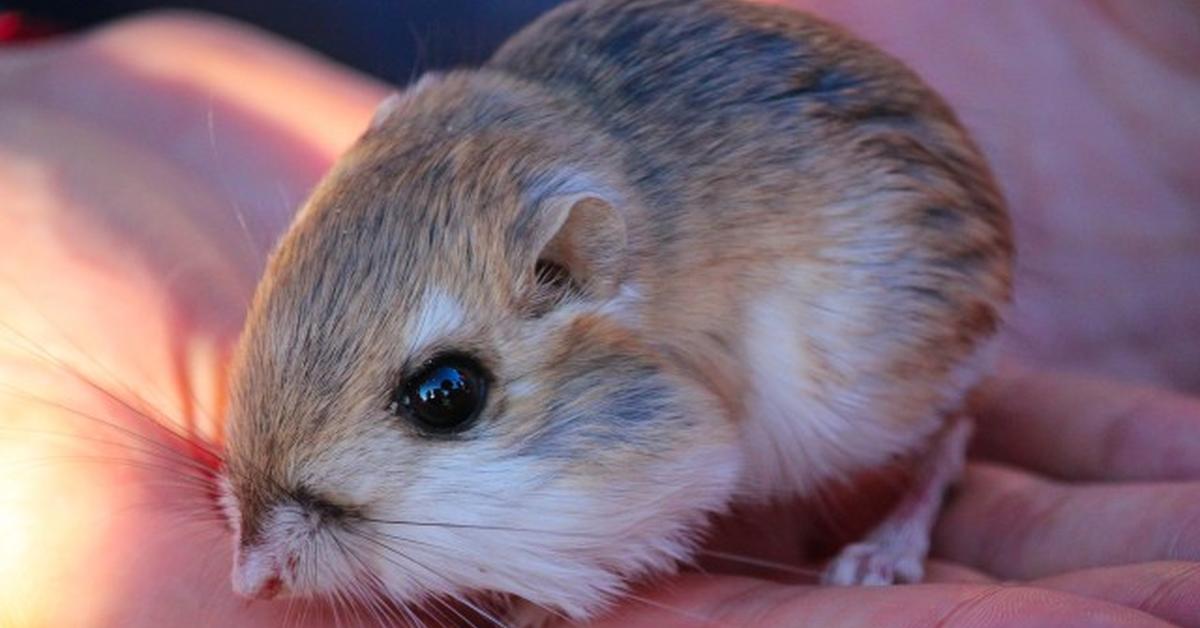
pixel 814 412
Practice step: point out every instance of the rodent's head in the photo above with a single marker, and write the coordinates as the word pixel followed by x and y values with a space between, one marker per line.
pixel 437 391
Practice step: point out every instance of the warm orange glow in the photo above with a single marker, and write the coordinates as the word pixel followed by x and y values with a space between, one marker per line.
pixel 17 525
pixel 43 515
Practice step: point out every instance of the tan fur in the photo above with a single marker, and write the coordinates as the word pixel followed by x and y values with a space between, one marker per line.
pixel 755 162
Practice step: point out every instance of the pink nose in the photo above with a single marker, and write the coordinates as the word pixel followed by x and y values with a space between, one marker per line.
pixel 268 589
pixel 257 576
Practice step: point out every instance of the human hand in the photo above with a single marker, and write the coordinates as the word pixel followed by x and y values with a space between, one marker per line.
pixel 1081 507
pixel 1089 113
pixel 141 191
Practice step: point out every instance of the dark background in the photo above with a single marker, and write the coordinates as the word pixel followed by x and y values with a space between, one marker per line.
pixel 394 40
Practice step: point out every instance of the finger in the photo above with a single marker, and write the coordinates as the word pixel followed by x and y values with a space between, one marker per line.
pixel 707 601
pixel 1087 429
pixel 1167 590
pixel 262 74
pixel 1015 525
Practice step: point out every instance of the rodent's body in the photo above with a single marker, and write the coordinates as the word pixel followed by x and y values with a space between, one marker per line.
pixel 781 258
pixel 820 244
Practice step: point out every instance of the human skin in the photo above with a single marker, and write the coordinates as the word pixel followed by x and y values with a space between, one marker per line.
pixel 146 167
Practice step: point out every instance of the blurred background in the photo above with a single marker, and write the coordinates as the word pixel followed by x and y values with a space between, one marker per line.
pixel 393 40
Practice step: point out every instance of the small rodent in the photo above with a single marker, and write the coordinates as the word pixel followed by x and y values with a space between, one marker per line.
pixel 547 316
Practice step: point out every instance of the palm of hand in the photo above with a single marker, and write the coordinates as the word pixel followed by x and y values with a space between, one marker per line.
pixel 112 184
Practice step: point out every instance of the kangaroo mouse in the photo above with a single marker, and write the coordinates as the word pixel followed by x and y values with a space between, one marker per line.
pixel 548 316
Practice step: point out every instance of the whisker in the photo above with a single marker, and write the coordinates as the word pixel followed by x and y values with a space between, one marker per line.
pixel 680 612
pixel 437 549
pixel 342 591
pixel 96 458
pixel 35 348
pixel 185 467
pixel 303 614
pixel 137 444
pixel 472 526
pixel 447 552
pixel 717 554
pixel 72 437
pixel 219 586
pixel 404 539
pixel 288 608
pixel 191 437
pixel 361 597
pixel 252 247
pixel 398 553
pixel 386 548
pixel 192 441
pixel 759 562
pixel 207 467
pixel 422 57
pixel 335 607
pixel 553 611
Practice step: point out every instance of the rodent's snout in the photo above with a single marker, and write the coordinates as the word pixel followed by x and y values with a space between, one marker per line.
pixel 263 560
pixel 258 575
pixel 268 589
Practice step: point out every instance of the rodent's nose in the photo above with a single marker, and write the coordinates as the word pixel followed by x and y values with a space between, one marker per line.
pixel 268 589
pixel 258 577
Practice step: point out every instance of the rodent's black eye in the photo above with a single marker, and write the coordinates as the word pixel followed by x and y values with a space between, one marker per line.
pixel 444 396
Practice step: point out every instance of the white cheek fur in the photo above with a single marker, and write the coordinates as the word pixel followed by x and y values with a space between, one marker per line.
pixel 512 526
pixel 553 541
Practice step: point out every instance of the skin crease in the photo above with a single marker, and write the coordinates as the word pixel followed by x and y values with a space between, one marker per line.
pixel 124 174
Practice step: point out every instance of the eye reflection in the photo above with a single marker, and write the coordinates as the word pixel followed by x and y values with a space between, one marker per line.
pixel 446 395
pixel 444 386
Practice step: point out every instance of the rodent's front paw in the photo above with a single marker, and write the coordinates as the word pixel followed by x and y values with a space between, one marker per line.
pixel 874 564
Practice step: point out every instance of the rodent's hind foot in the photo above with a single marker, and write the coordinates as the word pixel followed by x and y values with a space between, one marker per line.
pixel 895 551
pixel 875 564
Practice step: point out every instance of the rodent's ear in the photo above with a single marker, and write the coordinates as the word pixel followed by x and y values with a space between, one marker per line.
pixel 581 232
pixel 396 101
